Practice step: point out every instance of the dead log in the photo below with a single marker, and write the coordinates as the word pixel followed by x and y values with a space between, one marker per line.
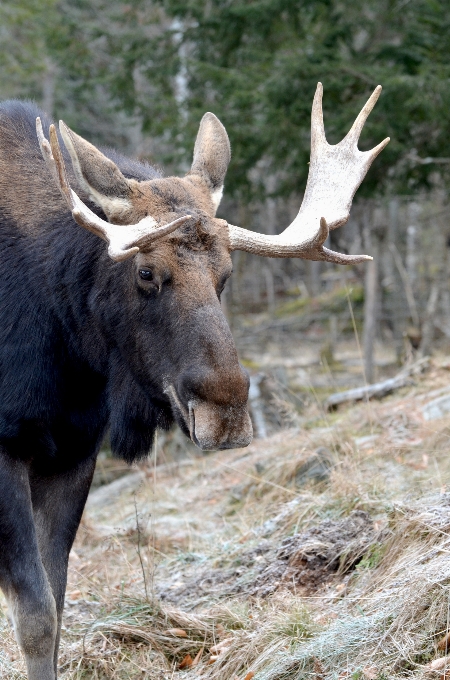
pixel 380 389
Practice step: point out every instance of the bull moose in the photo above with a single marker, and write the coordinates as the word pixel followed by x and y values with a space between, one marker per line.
pixel 123 339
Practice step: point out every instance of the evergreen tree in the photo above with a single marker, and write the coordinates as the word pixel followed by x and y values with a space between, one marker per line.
pixel 116 71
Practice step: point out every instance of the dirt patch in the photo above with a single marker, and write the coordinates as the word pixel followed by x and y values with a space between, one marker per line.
pixel 309 560
pixel 306 561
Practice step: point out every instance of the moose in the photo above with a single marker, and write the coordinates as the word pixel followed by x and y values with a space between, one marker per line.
pixel 123 339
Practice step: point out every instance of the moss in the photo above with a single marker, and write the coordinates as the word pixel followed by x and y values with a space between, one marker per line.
pixel 334 301
pixel 249 363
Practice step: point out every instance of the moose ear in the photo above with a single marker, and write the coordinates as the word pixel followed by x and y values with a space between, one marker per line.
pixel 98 176
pixel 212 155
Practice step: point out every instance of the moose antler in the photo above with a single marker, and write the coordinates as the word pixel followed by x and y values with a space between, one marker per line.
pixel 124 241
pixel 335 173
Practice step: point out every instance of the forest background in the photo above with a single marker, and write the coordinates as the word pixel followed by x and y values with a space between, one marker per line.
pixel 322 550
pixel 139 75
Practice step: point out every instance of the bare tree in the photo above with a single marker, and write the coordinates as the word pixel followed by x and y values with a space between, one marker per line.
pixel 370 300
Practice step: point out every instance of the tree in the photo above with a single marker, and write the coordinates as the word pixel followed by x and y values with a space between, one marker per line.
pixel 256 64
pixel 122 68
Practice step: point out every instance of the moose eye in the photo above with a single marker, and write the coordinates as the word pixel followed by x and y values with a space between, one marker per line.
pixel 146 274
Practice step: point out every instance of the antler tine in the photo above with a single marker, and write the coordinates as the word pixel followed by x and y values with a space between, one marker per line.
pixel 355 131
pixel 60 167
pixel 124 240
pixel 144 241
pixel 335 173
pixel 323 232
pixel 317 127
pixel 328 255
pixel 319 252
pixel 342 258
pixel 55 161
pixel 46 150
pixel 373 153
pixel 81 213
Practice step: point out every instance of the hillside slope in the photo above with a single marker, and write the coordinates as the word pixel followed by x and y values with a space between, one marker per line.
pixel 321 552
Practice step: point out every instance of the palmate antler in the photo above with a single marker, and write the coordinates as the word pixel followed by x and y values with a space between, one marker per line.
pixel 124 241
pixel 335 173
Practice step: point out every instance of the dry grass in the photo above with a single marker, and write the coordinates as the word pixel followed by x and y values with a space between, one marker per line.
pixel 162 581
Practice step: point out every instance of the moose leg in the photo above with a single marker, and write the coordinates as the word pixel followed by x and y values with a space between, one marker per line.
pixel 22 575
pixel 58 503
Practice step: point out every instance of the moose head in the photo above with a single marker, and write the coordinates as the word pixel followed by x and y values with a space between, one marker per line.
pixel 179 257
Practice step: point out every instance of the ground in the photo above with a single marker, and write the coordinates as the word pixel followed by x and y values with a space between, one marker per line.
pixel 321 551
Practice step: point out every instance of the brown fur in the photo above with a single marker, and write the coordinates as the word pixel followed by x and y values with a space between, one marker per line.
pixel 159 197
pixel 24 179
pixel 126 201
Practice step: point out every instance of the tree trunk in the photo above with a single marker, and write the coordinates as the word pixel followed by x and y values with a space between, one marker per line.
pixel 412 239
pixel 270 288
pixel 428 322
pixel 398 304
pixel 370 305
pixel 313 278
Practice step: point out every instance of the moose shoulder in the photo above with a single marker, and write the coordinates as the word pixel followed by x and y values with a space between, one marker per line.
pixel 127 336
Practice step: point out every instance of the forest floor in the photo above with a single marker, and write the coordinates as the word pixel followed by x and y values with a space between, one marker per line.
pixel 320 551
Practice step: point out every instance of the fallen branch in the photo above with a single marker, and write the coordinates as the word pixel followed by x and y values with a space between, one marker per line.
pixel 380 389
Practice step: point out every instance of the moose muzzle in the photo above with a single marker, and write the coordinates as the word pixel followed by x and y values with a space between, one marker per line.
pixel 219 427
pixel 212 406
pixel 213 426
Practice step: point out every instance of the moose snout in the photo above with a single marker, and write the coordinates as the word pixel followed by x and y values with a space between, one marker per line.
pixel 219 427
pixel 214 404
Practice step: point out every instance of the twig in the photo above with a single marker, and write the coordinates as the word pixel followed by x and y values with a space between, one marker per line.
pixel 139 547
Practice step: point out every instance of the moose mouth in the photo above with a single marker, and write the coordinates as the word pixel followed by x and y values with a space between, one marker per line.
pixel 212 426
